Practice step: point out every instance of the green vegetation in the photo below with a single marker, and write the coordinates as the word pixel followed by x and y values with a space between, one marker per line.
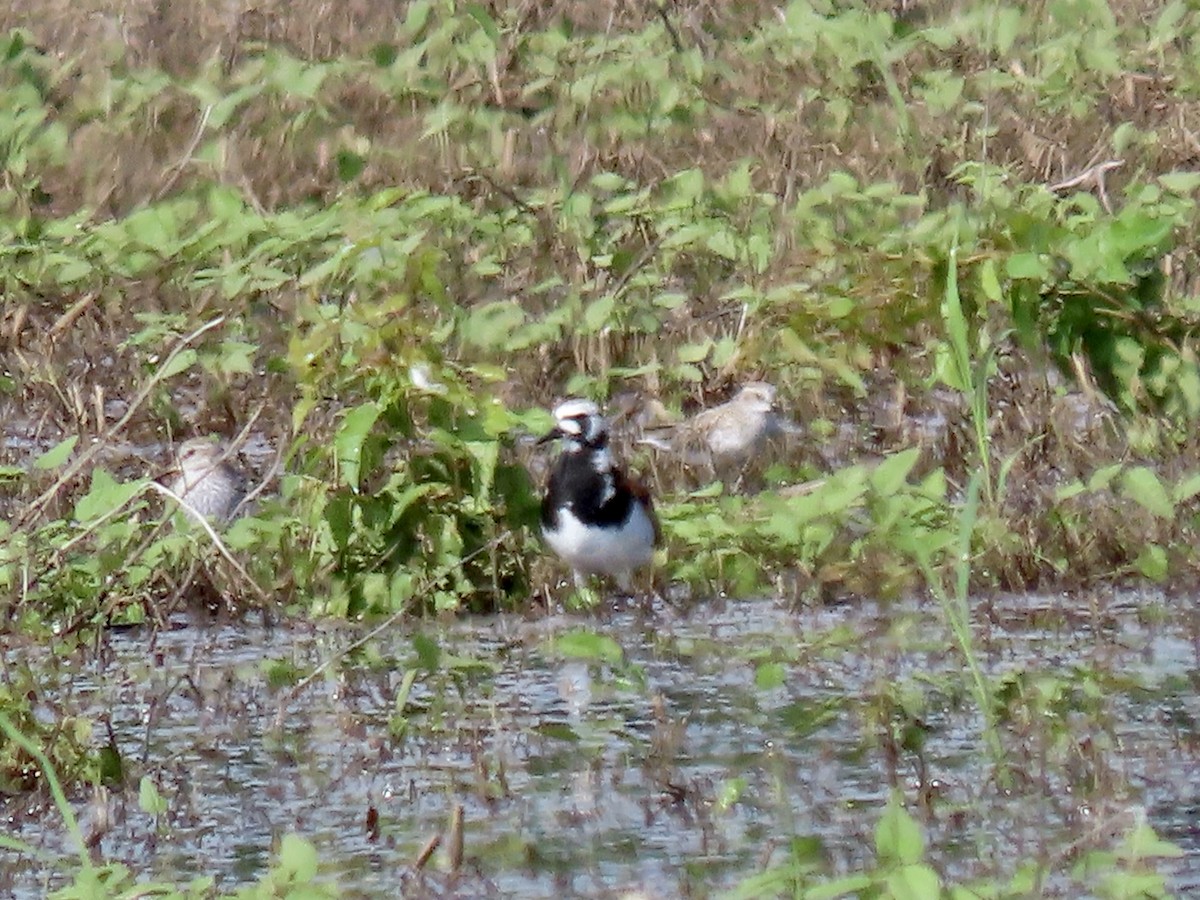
pixel 958 236
pixel 405 243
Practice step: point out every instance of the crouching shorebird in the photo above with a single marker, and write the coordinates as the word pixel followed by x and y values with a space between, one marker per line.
pixel 729 437
pixel 207 486
pixel 599 521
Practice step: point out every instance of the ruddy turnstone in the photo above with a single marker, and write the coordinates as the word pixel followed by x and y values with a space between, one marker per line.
pixel 598 520
pixel 729 436
pixel 206 485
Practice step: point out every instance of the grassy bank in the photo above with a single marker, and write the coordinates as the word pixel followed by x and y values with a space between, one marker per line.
pixel 959 237
pixel 959 230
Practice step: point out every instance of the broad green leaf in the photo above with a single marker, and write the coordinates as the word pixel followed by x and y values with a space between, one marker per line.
pixel 429 652
pixel 850 886
pixel 298 857
pixel 149 799
pixel 1180 182
pixel 769 675
pixel 1187 489
pixel 72 270
pixel 609 181
pixel 989 282
pixel 105 495
pixel 182 361
pixel 1103 477
pixel 1143 485
pixel 914 882
pixel 56 455
pixel 958 336
pixel 477 12
pixel 897 836
pixel 1027 266
pixel 349 440
pixel 1144 843
pixel 416 16
pixel 598 314
pixel 891 474
pixel 486 455
pixel 723 243
pixel 687 186
pixel 1152 562
pixel 694 353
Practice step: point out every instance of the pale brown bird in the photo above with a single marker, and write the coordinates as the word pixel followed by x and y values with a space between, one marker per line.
pixel 207 485
pixel 727 437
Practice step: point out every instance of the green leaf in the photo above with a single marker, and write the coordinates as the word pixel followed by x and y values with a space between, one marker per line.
pixel 235 358
pixel 298 858
pixel 1027 266
pixel 149 799
pixel 1144 843
pixel 349 165
pixel 598 314
pixel 1103 477
pixel 891 474
pixel 56 455
pixel 959 374
pixel 686 186
pixel 609 181
pixel 1152 562
pixel 694 353
pixel 850 886
pixel 429 652
pixel 384 54
pixel 1142 485
pixel 914 882
pixel 105 495
pixel 989 282
pixel 477 12
pixel 182 361
pixel 349 440
pixel 1187 489
pixel 723 243
pixel 559 731
pixel 770 675
pixel 492 324
pixel 1180 182
pixel 897 836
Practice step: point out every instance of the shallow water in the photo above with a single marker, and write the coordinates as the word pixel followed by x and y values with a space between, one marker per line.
pixel 677 771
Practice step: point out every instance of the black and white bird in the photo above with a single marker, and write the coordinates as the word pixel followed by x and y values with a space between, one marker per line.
pixel 596 518
pixel 205 483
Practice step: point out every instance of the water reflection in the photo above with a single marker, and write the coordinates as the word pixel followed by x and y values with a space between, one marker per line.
pixel 728 728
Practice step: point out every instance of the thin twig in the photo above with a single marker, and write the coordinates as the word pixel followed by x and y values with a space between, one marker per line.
pixel 214 537
pixel 178 168
pixel 661 9
pixel 644 257
pixel 1091 172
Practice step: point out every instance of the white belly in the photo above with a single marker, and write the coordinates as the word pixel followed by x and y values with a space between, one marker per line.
pixel 604 551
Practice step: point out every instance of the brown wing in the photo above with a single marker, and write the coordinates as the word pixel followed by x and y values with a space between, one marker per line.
pixel 642 493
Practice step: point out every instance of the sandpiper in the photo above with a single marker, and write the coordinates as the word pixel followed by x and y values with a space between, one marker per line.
pixel 206 484
pixel 596 518
pixel 729 436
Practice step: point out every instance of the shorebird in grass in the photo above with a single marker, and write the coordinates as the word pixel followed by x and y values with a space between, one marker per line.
pixel 726 438
pixel 596 518
pixel 206 484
